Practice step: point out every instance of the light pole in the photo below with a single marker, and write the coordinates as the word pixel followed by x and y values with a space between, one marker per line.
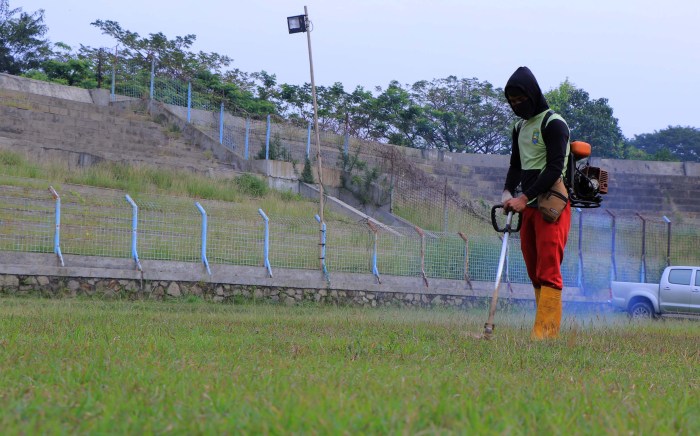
pixel 297 24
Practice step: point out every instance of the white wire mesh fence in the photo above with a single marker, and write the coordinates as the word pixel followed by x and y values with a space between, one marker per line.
pixel 601 246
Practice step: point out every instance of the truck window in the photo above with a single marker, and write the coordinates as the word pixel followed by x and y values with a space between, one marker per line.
pixel 697 278
pixel 680 276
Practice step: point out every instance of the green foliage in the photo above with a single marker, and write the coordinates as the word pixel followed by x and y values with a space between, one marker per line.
pixel 307 175
pixel 277 150
pixel 174 58
pixel 671 143
pixel 589 120
pixel 72 72
pixel 290 196
pixel 352 370
pixel 11 159
pixel 356 176
pixel 463 115
pixel 364 183
pixel 251 185
pixel 23 46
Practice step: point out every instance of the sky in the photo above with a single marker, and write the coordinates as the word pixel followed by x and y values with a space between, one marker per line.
pixel 642 56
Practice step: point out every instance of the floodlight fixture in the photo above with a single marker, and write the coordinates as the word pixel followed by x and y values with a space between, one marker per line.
pixel 296 24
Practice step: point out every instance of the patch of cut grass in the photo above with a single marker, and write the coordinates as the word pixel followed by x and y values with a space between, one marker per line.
pixel 87 366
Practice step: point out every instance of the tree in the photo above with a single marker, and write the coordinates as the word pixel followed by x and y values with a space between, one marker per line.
pixel 173 59
pixel 671 143
pixel 400 120
pixel 589 120
pixel 66 68
pixel 22 43
pixel 463 115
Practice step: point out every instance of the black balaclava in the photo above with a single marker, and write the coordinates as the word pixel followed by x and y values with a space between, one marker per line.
pixel 523 82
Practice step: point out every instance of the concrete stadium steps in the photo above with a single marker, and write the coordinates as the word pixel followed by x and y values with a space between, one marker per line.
pixel 653 193
pixel 101 133
pixel 83 132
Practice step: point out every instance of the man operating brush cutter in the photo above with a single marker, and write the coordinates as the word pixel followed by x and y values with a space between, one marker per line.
pixel 538 164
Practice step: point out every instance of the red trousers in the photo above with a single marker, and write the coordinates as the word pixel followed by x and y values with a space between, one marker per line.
pixel 542 244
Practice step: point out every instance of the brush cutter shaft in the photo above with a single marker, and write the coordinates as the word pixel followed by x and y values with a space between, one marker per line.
pixel 489 326
pixel 504 250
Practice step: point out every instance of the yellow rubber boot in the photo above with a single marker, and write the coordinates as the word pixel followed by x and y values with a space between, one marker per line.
pixel 548 315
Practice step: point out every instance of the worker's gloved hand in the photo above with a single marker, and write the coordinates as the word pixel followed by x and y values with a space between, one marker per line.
pixel 506 196
pixel 517 204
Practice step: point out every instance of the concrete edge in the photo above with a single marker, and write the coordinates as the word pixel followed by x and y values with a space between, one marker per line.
pixel 45 264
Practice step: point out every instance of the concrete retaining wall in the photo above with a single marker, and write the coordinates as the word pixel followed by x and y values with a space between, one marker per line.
pixel 23 84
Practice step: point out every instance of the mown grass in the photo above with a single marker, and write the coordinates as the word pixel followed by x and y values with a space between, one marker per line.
pixel 106 367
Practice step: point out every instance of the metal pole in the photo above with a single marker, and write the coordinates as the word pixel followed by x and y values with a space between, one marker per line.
pixel 308 142
pixel 613 270
pixel 318 138
pixel 114 72
pixel 445 216
pixel 247 134
pixel 134 226
pixel 267 140
pixel 57 234
pixel 668 240
pixel 221 123
pixel 643 272
pixel 323 249
pixel 266 247
pixel 189 101
pixel 153 74
pixel 580 249
pixel 204 235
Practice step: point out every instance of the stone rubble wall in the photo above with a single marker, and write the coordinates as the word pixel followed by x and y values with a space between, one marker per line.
pixel 161 290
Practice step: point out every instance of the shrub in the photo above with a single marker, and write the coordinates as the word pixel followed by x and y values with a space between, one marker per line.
pixel 251 185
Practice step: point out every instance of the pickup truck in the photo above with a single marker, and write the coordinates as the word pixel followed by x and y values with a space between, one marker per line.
pixel 678 293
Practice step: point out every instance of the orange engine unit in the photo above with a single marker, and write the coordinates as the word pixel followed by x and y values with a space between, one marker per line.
pixel 600 175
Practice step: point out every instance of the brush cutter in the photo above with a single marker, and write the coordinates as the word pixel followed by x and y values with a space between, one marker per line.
pixel 506 230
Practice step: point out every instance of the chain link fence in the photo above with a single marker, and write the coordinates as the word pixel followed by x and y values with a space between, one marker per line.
pixel 99 222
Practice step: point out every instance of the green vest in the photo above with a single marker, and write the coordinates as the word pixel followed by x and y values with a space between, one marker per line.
pixel 533 153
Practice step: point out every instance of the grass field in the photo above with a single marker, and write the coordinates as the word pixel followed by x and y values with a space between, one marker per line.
pixel 103 367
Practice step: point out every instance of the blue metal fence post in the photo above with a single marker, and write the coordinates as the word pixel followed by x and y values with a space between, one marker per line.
pixel 643 267
pixel 266 247
pixel 613 270
pixel 375 270
pixel 114 74
pixel 668 240
pixel 579 276
pixel 247 135
pixel 134 226
pixel 153 74
pixel 308 141
pixel 323 249
pixel 57 233
pixel 221 124
pixel 267 140
pixel 204 235
pixel 189 101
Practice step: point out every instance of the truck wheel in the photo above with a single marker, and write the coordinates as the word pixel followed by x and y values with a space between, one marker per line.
pixel 641 310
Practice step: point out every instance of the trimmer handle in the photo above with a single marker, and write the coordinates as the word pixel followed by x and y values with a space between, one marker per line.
pixel 508 227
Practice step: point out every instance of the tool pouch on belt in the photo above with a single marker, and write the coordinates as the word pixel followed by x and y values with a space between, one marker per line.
pixel 551 203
